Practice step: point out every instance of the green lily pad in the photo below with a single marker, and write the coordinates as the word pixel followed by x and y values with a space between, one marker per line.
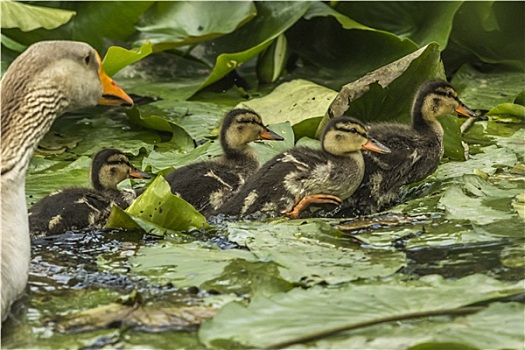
pixel 488 162
pixel 100 132
pixel 330 56
pixel 315 260
pixel 485 90
pixel 156 211
pixel 462 207
pixel 93 23
pixel 289 317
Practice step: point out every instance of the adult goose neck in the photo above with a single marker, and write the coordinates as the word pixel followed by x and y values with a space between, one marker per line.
pixel 26 118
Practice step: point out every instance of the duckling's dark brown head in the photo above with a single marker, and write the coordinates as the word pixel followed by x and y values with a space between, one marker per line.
pixel 345 135
pixel 434 99
pixel 110 167
pixel 242 126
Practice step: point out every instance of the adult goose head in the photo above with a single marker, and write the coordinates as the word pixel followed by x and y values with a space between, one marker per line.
pixel 47 80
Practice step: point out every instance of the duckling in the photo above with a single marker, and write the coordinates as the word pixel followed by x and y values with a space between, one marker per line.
pixel 416 149
pixel 207 185
pixel 77 208
pixel 47 80
pixel 292 180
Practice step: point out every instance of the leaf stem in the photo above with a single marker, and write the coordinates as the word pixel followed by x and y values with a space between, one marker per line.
pixel 329 332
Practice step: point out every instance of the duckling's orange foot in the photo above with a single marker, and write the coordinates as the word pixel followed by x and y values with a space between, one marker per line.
pixel 313 199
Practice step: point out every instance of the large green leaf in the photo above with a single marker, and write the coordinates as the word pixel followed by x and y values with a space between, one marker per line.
pixel 29 17
pixel 267 322
pixel 171 24
pixel 497 327
pixel 230 51
pixel 386 94
pixel 421 22
pixel 494 31
pixel 94 23
pixel 333 56
pixel 157 210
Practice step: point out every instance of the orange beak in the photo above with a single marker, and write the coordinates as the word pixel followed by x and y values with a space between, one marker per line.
pixel 270 135
pixel 112 95
pixel 375 146
pixel 137 174
pixel 463 110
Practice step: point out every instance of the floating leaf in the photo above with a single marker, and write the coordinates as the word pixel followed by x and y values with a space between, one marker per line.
pixel 497 327
pixel 156 211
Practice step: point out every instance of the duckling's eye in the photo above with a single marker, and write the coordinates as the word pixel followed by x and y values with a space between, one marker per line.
pixel 353 130
pixel 87 59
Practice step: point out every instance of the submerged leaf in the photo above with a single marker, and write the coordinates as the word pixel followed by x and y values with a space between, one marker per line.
pixel 186 265
pixel 153 318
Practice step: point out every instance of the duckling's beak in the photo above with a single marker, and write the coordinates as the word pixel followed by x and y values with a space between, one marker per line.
pixel 270 135
pixel 112 95
pixel 465 111
pixel 375 146
pixel 137 174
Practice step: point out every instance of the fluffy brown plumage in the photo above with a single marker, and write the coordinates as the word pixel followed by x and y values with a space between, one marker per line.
pixel 207 185
pixel 298 177
pixel 416 150
pixel 77 208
